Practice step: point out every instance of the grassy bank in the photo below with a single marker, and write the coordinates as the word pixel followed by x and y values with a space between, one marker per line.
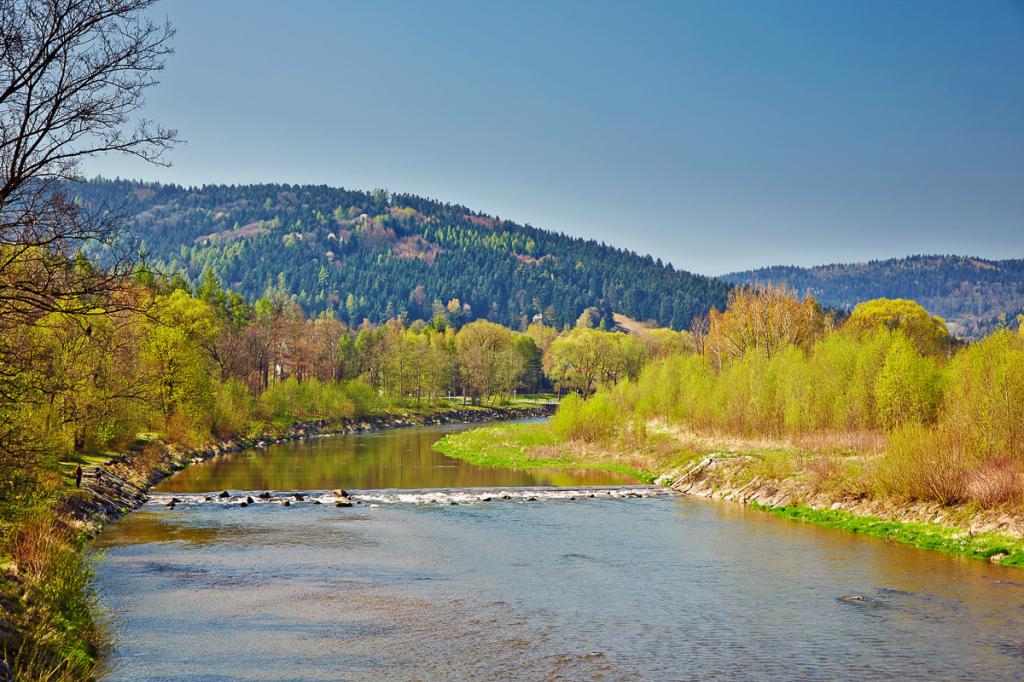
pixel 820 477
pixel 521 446
pixel 1010 550
pixel 51 628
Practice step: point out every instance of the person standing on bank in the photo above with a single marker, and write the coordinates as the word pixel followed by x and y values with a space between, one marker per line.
pixel 78 476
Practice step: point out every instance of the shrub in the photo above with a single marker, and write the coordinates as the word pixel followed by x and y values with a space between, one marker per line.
pixel 774 466
pixel 233 407
pixel 365 399
pixel 591 420
pixel 59 638
pixel 831 475
pixel 185 431
pixel 634 435
pixel 311 399
pixel 996 482
pixel 923 464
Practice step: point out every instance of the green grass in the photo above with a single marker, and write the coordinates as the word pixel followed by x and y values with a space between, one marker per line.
pixel 924 535
pixel 511 446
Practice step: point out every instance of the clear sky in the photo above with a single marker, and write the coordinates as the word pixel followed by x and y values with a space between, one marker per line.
pixel 717 135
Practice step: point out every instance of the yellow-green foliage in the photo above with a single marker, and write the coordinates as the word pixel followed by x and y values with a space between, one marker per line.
pixel 363 397
pixel 306 399
pixel 984 395
pixel 670 388
pixel 907 388
pixel 956 427
pixel 233 408
pixel 590 420
pixel 175 353
pixel 843 382
pixel 873 380
pixel 926 332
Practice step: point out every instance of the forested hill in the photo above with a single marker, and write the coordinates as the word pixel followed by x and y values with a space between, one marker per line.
pixel 970 293
pixel 374 255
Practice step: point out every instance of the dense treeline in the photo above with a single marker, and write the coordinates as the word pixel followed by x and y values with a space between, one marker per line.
pixel 206 363
pixel 375 255
pixel 975 295
pixel 773 366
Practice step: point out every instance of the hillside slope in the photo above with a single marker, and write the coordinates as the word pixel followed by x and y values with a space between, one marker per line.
pixel 970 293
pixel 373 255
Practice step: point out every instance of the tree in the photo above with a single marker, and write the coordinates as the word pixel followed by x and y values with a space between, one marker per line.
pixel 927 333
pixel 543 336
pixel 73 74
pixel 769 318
pixel 176 352
pixel 662 342
pixel 907 387
pixel 489 362
pixel 581 358
pixel 72 77
pixel 532 358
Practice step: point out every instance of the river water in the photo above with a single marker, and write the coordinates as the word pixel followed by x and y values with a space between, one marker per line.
pixel 543 585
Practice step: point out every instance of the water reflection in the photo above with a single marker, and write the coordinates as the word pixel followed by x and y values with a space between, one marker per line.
pixel 400 458
pixel 150 526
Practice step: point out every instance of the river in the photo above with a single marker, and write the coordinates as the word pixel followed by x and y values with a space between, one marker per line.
pixel 407 586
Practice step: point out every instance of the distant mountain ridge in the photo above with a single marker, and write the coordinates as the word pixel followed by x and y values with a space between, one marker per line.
pixel 374 255
pixel 970 293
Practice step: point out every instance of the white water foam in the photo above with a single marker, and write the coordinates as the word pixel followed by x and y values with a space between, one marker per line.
pixel 445 496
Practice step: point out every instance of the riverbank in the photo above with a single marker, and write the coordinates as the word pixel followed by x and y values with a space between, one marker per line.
pixel 112 487
pixel 812 486
pixel 118 486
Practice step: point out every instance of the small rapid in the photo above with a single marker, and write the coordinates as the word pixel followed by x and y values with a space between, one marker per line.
pixel 228 499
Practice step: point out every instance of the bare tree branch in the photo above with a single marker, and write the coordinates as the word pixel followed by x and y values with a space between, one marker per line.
pixel 73 76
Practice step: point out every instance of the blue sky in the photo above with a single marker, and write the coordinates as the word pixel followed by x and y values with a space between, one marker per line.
pixel 716 135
